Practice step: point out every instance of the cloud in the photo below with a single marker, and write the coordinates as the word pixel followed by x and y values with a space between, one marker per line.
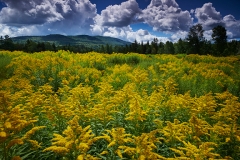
pixel 179 34
pixel 144 36
pixel 233 26
pixel 192 11
pixel 58 16
pixel 17 31
pixel 208 34
pixel 165 15
pixel 208 16
pixel 29 12
pixel 5 30
pixel 119 15
pixel 127 34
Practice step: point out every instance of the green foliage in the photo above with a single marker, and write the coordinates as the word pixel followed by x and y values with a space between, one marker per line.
pixel 195 39
pixel 5 72
pixel 169 48
pixel 219 37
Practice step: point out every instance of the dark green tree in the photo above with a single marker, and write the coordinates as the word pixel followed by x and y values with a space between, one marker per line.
pixel 161 48
pixel 219 37
pixel 140 48
pixel 195 39
pixel 180 46
pixel 148 48
pixel 154 46
pixel 233 47
pixel 143 48
pixel 30 46
pixel 134 46
pixel 108 49
pixel 7 43
pixel 1 40
pixel 206 48
pixel 54 47
pixel 169 48
pixel 101 50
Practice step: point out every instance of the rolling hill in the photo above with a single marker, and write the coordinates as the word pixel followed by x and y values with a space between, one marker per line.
pixel 86 40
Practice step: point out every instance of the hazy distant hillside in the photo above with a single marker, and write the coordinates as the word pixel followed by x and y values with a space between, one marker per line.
pixel 72 40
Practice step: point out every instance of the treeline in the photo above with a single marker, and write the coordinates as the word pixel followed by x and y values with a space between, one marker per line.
pixel 194 43
pixel 6 43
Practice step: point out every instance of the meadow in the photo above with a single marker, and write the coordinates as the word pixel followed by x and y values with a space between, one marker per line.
pixel 64 106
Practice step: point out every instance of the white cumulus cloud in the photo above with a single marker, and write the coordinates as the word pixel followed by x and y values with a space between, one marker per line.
pixel 59 16
pixel 119 15
pixel 209 17
pixel 126 33
pixel 232 25
pixel 165 15
pixel 179 34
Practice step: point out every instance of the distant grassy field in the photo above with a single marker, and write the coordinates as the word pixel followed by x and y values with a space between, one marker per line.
pixel 118 106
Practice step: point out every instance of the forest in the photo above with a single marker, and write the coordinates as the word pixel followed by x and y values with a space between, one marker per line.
pixel 194 43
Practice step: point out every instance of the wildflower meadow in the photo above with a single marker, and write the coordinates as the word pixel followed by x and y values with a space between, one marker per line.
pixel 65 106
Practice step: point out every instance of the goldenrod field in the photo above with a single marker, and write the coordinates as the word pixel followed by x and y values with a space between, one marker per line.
pixel 67 106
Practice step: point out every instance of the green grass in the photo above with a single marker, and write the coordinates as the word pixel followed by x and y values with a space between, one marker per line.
pixel 5 72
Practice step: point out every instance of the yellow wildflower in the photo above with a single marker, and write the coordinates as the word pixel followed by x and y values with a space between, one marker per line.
pixel 35 144
pixel 13 142
pixel 196 152
pixel 80 157
pixel 16 158
pixel 3 134
pixel 104 152
pixel 32 131
pixel 56 149
pixel 75 139
pixel 111 144
pixel 7 125
pixel 227 139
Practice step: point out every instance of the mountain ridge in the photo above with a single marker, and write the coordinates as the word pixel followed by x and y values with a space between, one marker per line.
pixel 61 40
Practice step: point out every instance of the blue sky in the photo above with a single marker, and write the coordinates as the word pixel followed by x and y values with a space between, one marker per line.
pixel 142 20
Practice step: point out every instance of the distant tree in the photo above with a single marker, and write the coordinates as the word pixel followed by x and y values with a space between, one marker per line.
pixel 7 43
pixel 54 47
pixel 30 46
pixel 153 50
pixel 101 49
pixel 41 47
pixel 219 37
pixel 143 48
pixel 19 47
pixel 140 48
pixel 195 39
pixel 180 46
pixel 238 48
pixel 134 46
pixel 206 48
pixel 1 40
pixel 161 48
pixel 154 46
pixel 108 49
pixel 233 47
pixel 148 48
pixel 169 48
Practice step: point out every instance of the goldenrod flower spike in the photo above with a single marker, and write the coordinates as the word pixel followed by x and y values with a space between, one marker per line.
pixel 75 140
